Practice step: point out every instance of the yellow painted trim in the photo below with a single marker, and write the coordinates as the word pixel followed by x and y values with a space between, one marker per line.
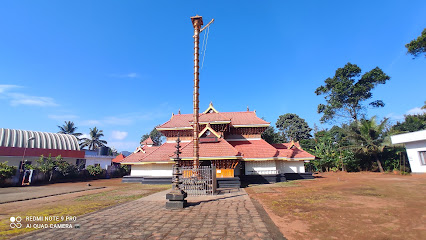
pixel 216 122
pixel 211 130
pixel 175 128
pixel 212 108
pixel 213 158
pixel 144 163
pixel 252 125
pixel 277 158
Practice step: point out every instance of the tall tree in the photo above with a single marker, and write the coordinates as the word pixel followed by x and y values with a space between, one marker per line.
pixel 271 136
pixel 345 95
pixel 293 127
pixel 424 106
pixel 94 141
pixel 69 128
pixel 417 46
pixel 155 136
pixel 369 137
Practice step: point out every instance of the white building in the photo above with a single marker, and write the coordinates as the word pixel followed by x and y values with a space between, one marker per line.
pixel 415 143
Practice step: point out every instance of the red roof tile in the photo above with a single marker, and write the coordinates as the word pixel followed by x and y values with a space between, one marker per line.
pixel 255 148
pixel 236 118
pixel 244 118
pixel 148 141
pixel 136 157
pixel 118 158
pixel 211 149
pixel 284 151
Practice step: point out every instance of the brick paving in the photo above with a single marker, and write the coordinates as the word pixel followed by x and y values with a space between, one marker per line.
pixel 228 216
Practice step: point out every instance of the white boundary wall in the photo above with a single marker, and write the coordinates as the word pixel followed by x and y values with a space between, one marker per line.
pixel 152 170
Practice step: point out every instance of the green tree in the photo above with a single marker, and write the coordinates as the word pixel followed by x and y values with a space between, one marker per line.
pixel 69 128
pixel 6 171
pixel 94 142
pixel 293 127
pixel 46 165
pixel 424 106
pixel 345 95
pixel 63 167
pixel 411 123
pixel 155 136
pixel 271 136
pixel 417 46
pixel 368 137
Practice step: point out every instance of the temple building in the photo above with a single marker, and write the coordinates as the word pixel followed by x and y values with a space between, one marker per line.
pixel 230 141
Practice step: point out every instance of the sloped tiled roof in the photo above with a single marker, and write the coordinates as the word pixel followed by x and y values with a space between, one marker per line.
pixel 136 157
pixel 255 148
pixel 284 151
pixel 236 118
pixel 148 141
pixel 118 158
pixel 211 149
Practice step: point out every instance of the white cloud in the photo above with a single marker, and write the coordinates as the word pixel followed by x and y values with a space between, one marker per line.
pixel 118 135
pixel 91 123
pixel 62 117
pixel 23 99
pixel 5 87
pixel 124 146
pixel 416 111
pixel 395 117
pixel 84 135
pixel 128 75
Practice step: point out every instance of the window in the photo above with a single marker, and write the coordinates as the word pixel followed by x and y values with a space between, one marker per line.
pixel 423 157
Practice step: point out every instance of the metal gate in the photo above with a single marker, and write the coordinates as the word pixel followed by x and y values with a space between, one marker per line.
pixel 200 181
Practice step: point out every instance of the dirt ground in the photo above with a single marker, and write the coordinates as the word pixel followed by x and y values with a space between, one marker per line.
pixel 73 204
pixel 347 206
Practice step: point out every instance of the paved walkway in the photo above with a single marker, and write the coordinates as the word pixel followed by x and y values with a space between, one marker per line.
pixel 228 216
pixel 13 194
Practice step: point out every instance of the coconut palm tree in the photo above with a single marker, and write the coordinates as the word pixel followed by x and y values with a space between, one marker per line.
pixel 94 141
pixel 369 137
pixel 69 128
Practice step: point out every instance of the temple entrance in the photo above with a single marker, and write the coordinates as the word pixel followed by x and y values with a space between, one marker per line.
pixel 200 181
pixel 225 168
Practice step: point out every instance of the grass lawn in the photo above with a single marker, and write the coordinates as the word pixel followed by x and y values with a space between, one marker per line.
pixel 73 204
pixel 347 206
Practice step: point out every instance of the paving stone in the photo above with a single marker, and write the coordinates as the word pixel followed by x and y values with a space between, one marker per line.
pixel 228 216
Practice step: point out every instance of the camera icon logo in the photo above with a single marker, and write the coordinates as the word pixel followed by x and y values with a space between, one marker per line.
pixel 15 222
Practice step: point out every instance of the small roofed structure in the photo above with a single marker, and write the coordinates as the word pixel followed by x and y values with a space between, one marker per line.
pixel 415 144
pixel 148 142
pixel 230 141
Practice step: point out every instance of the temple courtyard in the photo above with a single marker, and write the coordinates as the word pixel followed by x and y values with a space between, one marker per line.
pixel 332 206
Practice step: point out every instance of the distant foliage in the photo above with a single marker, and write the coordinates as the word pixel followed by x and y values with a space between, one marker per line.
pixel 293 127
pixel 155 135
pixel 69 128
pixel 6 171
pixel 347 90
pixel 411 123
pixel 271 136
pixel 94 142
pixel 417 47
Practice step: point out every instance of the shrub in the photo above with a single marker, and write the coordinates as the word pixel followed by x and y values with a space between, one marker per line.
pixel 94 170
pixel 6 171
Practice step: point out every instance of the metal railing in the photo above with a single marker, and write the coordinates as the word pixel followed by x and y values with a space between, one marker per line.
pixel 264 172
pixel 200 181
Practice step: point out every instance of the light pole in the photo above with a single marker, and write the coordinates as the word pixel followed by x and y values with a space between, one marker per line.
pixel 23 156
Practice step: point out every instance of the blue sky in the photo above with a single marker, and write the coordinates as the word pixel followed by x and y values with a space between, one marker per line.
pixel 125 66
